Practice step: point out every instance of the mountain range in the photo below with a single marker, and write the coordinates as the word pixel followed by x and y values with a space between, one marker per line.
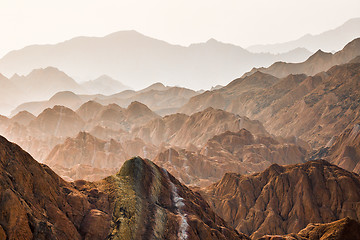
pixel 274 154
pixel 44 83
pixel 130 57
pixel 328 41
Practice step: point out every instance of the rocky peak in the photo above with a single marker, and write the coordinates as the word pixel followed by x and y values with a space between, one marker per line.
pixel 284 199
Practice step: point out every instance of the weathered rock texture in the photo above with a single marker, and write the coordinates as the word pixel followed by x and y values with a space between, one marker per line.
pixel 240 152
pixel 284 199
pixel 140 202
pixel 344 229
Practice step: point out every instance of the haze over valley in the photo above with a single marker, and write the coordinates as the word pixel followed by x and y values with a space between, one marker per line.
pixel 129 135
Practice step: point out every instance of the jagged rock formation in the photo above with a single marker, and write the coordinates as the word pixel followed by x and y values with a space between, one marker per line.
pixel 89 158
pixel 158 206
pixel 181 130
pixel 58 121
pixel 318 62
pixel 84 152
pixel 343 150
pixel 236 90
pixel 344 229
pixel 140 202
pixel 37 204
pixel 331 105
pixel 240 152
pixel 284 199
pixel 313 108
pixel 38 135
pixel 115 117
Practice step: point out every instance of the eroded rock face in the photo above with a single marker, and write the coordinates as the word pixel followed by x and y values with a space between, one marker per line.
pixel 181 130
pixel 159 206
pixel 318 62
pixel 343 150
pixel 313 108
pixel 284 199
pixel 92 159
pixel 35 202
pixel 344 229
pixel 240 152
pixel 140 202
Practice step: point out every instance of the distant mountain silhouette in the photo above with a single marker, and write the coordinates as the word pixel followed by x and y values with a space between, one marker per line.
pixel 137 60
pixel 104 85
pixel 332 40
pixel 161 99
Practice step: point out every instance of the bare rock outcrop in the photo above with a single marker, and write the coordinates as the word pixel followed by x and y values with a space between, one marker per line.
pixel 284 199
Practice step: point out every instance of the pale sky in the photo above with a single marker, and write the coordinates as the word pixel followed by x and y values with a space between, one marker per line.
pixel 244 23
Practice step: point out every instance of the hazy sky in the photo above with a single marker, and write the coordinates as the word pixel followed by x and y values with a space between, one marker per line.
pixel 244 23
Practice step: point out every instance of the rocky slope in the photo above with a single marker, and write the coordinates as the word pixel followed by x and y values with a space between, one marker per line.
pixel 38 204
pixel 284 199
pixel 241 88
pixel 115 117
pixel 182 130
pixel 344 229
pixel 313 108
pixel 142 201
pixel 318 62
pixel 89 158
pixel 38 135
pixel 343 150
pixel 240 152
pixel 87 150
pixel 329 105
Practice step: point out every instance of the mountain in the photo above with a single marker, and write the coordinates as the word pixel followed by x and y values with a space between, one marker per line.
pixel 318 62
pixel 65 98
pixel 329 41
pixel 343 150
pixel 297 105
pixel 103 85
pixel 39 84
pixel 345 229
pixel 161 99
pixel 23 118
pixel 115 117
pixel 58 121
pixel 92 159
pixel 131 57
pixel 85 149
pixel 42 83
pixel 222 97
pixel 182 130
pixel 240 152
pixel 45 131
pixel 10 95
pixel 319 108
pixel 37 204
pixel 284 199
